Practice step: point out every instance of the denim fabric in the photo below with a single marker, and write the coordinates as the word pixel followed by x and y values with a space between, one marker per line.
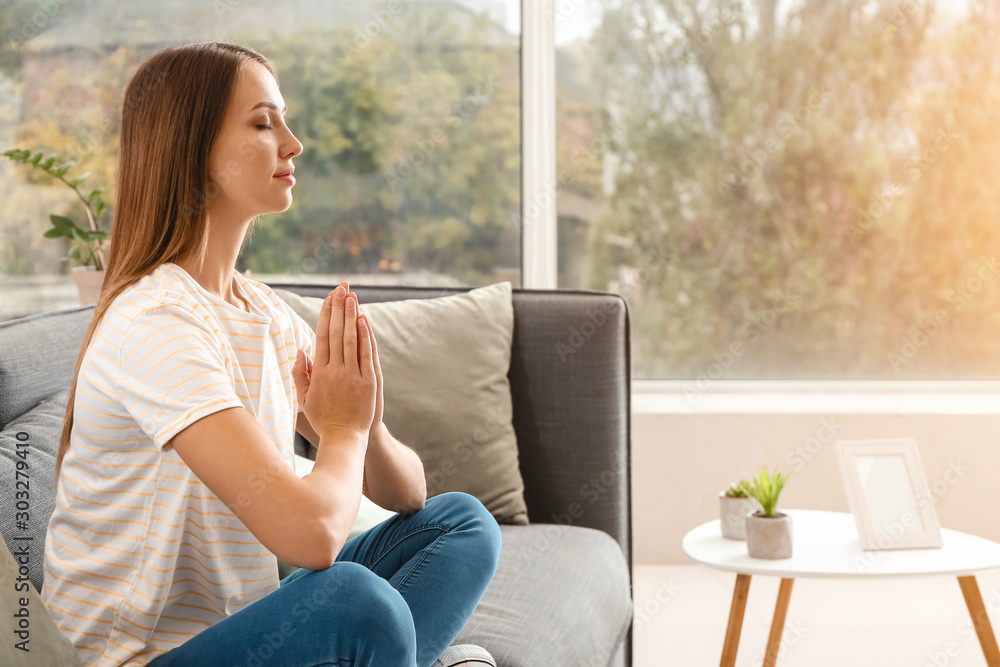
pixel 397 596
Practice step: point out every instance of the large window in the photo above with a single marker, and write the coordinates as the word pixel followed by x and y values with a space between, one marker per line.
pixel 408 110
pixel 786 189
pixel 781 189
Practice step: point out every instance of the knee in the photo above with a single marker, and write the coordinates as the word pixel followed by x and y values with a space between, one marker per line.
pixel 468 514
pixel 370 607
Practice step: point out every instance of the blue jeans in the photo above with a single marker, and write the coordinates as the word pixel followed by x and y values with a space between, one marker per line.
pixel 397 596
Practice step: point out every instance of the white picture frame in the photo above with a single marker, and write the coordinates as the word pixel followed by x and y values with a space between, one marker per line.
pixel 888 493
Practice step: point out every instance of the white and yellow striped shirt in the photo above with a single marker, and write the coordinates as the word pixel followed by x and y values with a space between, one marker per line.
pixel 140 555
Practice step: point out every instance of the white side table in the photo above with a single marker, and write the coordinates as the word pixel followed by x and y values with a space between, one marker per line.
pixel 826 545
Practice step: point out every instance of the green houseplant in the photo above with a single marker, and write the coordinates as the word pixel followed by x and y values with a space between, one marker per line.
pixel 86 255
pixel 735 504
pixel 769 532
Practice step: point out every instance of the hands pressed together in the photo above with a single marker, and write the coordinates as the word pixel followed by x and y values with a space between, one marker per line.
pixel 341 389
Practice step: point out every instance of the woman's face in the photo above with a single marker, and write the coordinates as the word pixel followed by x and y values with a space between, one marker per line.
pixel 253 146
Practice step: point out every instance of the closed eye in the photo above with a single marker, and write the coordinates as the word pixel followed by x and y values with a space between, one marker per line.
pixel 266 127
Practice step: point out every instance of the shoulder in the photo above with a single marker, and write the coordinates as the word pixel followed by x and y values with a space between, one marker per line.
pixel 158 298
pixel 268 299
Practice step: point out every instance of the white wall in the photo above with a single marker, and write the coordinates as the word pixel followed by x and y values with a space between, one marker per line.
pixel 682 460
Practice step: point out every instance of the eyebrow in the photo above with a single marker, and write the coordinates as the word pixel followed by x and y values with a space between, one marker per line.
pixel 269 105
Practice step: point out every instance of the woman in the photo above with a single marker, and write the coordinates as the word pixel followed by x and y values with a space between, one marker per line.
pixel 175 484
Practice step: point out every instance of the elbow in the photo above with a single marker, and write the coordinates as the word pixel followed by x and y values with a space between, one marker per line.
pixel 317 549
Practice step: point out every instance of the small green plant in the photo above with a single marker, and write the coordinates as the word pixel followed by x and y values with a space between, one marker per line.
pixel 766 488
pixel 739 489
pixel 87 246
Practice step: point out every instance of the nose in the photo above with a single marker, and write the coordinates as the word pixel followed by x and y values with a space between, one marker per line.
pixel 291 148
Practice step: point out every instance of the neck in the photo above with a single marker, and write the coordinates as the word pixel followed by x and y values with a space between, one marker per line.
pixel 215 270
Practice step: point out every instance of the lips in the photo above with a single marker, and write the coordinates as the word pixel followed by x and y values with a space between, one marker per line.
pixel 287 172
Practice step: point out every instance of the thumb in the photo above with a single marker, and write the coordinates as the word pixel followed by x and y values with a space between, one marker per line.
pixel 300 376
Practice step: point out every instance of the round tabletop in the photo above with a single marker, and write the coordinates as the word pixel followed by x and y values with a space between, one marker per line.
pixel 826 544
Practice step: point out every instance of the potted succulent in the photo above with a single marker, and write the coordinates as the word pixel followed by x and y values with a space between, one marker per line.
pixel 769 533
pixel 86 255
pixel 735 505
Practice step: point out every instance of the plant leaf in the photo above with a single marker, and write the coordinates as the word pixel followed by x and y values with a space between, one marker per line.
pixel 62 222
pixel 62 169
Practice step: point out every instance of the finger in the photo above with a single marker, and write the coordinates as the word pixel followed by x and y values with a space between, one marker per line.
pixel 323 332
pixel 300 375
pixel 371 334
pixel 336 316
pixel 357 312
pixel 350 333
pixel 366 369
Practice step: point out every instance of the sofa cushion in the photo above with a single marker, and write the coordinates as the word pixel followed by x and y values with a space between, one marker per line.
pixel 568 584
pixel 39 355
pixel 40 428
pixel 445 389
pixel 45 644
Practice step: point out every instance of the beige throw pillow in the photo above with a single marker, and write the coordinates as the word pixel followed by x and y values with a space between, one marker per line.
pixel 445 389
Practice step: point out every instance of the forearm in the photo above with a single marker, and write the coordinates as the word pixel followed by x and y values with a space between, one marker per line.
pixel 335 482
pixel 395 473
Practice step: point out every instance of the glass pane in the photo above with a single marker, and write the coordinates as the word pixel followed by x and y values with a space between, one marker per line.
pixel 408 111
pixel 786 190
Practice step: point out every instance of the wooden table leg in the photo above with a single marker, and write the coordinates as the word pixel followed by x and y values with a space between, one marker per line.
pixel 980 619
pixel 778 624
pixel 732 644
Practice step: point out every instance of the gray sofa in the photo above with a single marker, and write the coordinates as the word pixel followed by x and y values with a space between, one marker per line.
pixel 562 592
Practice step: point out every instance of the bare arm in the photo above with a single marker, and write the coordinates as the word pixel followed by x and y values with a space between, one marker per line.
pixel 396 471
pixel 303 521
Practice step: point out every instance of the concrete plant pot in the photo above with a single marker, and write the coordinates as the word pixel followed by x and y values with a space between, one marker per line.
pixel 769 536
pixel 88 283
pixel 733 513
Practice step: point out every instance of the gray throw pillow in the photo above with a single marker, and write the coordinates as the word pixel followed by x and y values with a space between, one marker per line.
pixel 40 429
pixel 445 389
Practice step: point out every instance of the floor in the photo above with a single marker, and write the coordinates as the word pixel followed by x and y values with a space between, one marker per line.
pixel 681 613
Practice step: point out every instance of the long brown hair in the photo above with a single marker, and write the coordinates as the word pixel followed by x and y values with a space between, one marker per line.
pixel 172 112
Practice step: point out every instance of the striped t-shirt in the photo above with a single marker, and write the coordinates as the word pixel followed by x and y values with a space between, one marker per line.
pixel 140 555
